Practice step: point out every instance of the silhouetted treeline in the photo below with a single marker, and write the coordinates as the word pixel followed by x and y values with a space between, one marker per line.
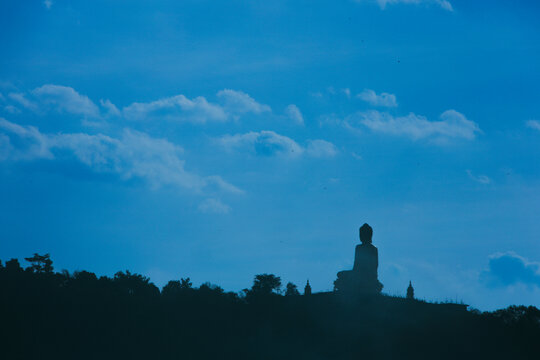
pixel 60 315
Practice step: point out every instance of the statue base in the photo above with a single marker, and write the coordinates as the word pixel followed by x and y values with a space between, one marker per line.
pixel 355 283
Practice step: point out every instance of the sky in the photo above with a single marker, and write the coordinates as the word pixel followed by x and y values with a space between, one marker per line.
pixel 218 140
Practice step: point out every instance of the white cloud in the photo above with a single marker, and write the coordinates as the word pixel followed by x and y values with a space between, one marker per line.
pixel 12 109
pixel 176 108
pixel 179 108
pixel 219 183
pixel 22 100
pixel 132 155
pixel 264 143
pixel 508 269
pixel 482 179
pixel 321 149
pixel 112 110
pixel 30 143
pixel 238 102
pixel 452 125
pixel 533 124
pixel 269 143
pixel 213 206
pixel 66 99
pixel 293 112
pixel 356 156
pixel 48 4
pixel 445 4
pixel 383 99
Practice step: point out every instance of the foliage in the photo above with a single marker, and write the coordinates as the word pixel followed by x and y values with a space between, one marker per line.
pixel 49 315
pixel 41 264
pixel 291 289
pixel 266 284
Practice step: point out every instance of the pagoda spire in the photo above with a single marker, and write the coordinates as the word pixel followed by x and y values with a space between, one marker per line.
pixel 410 291
pixel 307 289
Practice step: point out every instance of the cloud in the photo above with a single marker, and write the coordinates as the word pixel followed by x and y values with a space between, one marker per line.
pixel 12 109
pixel 176 108
pixel 482 179
pixel 214 206
pixel 321 149
pixel 238 102
pixel 197 110
pixel 445 4
pixel 29 142
pixel 452 125
pixel 21 99
pixel 66 99
pixel 506 269
pixel 384 99
pixel 533 124
pixel 131 155
pixel 48 4
pixel 293 112
pixel 356 156
pixel 112 110
pixel 265 143
pixel 269 143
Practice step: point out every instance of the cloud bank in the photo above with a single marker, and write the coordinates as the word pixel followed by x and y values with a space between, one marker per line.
pixel 131 155
pixel 452 124
pixel 383 99
pixel 231 104
pixel 66 99
pixel 506 269
pixel 176 108
pixel 238 102
pixel 269 143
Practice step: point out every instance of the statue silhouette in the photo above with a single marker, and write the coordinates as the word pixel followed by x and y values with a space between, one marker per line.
pixel 362 279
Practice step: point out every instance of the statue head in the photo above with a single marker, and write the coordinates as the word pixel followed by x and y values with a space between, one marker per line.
pixel 366 232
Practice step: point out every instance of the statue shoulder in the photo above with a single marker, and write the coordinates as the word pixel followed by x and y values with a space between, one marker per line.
pixel 368 248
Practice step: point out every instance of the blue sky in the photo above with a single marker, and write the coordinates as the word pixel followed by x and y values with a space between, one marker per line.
pixel 223 139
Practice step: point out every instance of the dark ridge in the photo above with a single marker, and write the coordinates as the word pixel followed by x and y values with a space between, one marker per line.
pixel 48 315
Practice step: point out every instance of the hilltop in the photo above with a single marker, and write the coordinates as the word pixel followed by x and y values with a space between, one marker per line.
pixel 51 315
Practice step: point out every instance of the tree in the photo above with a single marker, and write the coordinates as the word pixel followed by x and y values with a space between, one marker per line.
pixel 210 288
pixel 134 284
pixel 291 290
pixel 172 288
pixel 175 287
pixel 40 264
pixel 266 284
pixel 13 265
pixel 185 284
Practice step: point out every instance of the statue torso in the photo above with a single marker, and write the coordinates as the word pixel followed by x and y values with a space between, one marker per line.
pixel 366 259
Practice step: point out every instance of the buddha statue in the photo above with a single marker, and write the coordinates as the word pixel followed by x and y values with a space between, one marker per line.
pixel 362 279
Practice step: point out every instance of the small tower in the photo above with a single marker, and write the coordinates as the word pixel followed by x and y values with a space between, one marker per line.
pixel 307 289
pixel 410 292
